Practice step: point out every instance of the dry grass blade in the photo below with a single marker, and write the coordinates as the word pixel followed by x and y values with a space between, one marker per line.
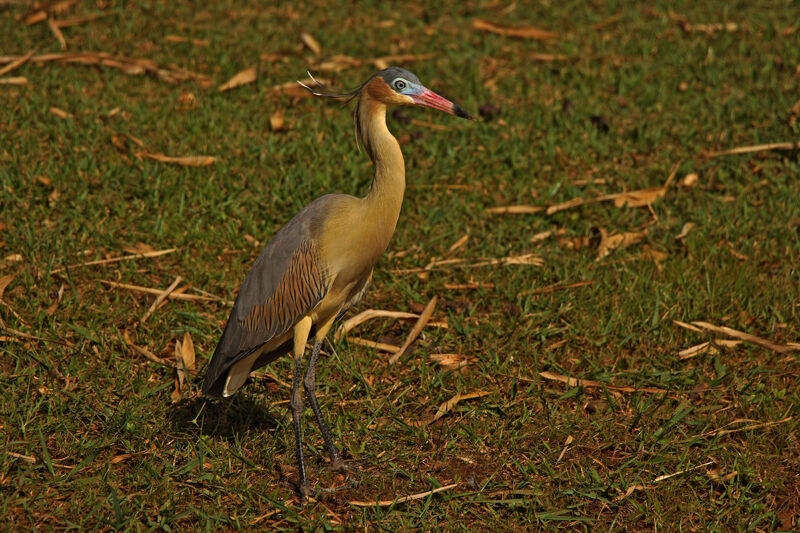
pixel 548 57
pixel 416 330
pixel 243 77
pixel 14 80
pixel 523 32
pixel 694 351
pixel 60 113
pixel 27 458
pixel 145 352
pixel 171 296
pixel 369 314
pixel 77 21
pixel 575 382
pixel 561 287
pixel 16 64
pixel 116 259
pixel 679 472
pixel 380 346
pixel 404 499
pixel 687 326
pixel 161 297
pixel 759 425
pixel 185 161
pixel 447 406
pixel 758 148
pixel 779 348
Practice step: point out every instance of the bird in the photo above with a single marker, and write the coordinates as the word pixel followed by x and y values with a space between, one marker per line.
pixel 320 263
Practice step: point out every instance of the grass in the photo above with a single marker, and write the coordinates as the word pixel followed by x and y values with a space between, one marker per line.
pixel 92 439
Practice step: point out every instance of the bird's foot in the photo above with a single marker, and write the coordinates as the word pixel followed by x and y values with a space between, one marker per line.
pixel 345 467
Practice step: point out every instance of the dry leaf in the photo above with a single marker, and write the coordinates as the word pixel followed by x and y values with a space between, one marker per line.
pixel 690 180
pixel 609 243
pixel 452 361
pixel 187 351
pixel 640 198
pixel 311 43
pixel 276 122
pixel 687 227
pixel 5 281
pixel 242 77
pixel 524 32
pixel 715 474
pixel 185 161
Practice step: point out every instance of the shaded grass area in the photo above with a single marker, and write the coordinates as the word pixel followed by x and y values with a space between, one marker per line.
pixel 92 439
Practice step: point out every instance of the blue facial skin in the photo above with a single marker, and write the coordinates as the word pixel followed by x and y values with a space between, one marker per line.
pixel 406 87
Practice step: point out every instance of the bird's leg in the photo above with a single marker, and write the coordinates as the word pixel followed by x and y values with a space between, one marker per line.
pixel 301 332
pixel 310 383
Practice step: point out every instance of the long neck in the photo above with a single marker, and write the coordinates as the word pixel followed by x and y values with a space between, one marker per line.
pixel 385 197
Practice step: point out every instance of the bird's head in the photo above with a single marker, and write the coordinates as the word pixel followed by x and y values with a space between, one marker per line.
pixel 397 86
pixel 393 86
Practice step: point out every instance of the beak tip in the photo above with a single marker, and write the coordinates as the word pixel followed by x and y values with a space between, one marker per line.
pixel 457 111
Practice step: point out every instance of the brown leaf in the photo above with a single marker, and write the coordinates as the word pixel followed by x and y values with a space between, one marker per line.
pixel 311 43
pixel 616 241
pixel 524 32
pixel 185 161
pixel 639 198
pixel 187 351
pixel 716 475
pixel 5 281
pixel 276 122
pixel 690 180
pixel 451 361
pixel 242 77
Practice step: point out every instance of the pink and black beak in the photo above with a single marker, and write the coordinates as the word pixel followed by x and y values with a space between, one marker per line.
pixel 427 98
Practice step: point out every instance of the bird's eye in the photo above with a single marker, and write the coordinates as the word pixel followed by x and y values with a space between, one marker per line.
pixel 399 84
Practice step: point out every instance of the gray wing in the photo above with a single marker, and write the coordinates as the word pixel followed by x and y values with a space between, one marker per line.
pixel 284 284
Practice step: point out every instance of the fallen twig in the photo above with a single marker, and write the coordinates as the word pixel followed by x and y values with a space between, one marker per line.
pixel 758 148
pixel 128 65
pixel 172 296
pixel 116 259
pixel 416 330
pixel 369 314
pixel 779 348
pixel 161 298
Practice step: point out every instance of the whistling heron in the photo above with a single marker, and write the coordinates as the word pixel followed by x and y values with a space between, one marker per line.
pixel 320 263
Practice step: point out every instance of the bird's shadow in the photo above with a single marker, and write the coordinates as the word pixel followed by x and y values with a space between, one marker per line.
pixel 229 418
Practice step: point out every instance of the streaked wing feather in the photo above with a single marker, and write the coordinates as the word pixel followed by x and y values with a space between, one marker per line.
pixel 285 283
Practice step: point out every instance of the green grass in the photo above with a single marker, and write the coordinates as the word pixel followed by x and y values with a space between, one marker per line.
pixel 110 450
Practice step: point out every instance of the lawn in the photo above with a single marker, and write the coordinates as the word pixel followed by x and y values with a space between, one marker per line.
pixel 610 253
